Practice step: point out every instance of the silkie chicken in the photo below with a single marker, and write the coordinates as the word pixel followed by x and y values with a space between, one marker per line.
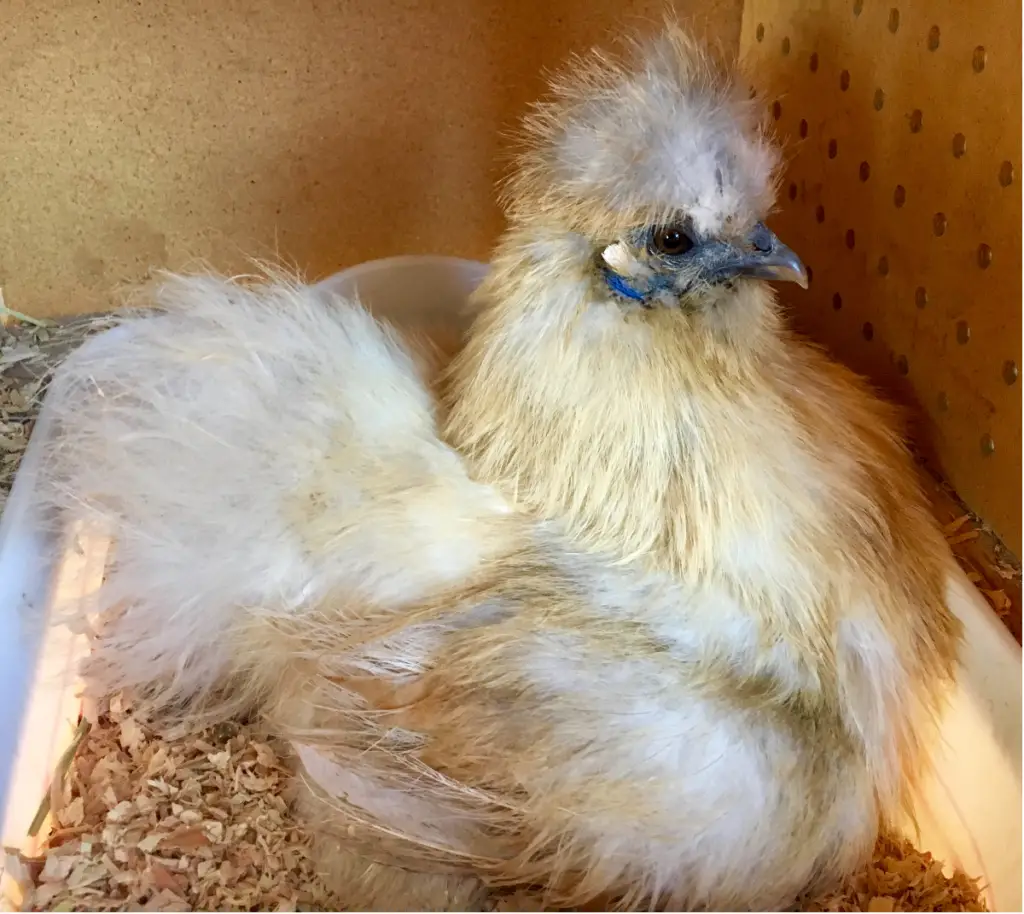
pixel 646 610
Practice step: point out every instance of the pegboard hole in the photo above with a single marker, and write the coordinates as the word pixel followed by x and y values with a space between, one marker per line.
pixel 814 62
pixel 792 191
pixel 803 129
pixel 899 196
pixel 934 37
pixel 865 171
pixel 984 256
pixel 1010 371
pixel 920 296
pixel 963 332
pixel 988 445
pixel 979 58
pixel 916 120
pixel 943 402
pixel 868 331
pixel 833 149
pixel 776 110
pixel 837 302
pixel 819 213
pixel 879 100
pixel 894 20
pixel 902 365
pixel 759 32
pixel 883 266
pixel 959 146
pixel 939 223
pixel 1006 174
pixel 844 80
pixel 785 46
pixel 851 239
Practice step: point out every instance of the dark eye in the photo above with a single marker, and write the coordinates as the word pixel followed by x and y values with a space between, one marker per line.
pixel 670 240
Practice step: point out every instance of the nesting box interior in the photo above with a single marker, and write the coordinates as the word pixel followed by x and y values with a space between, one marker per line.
pixel 324 134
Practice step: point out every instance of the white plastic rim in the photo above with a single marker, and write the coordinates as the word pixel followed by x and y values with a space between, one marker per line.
pixel 970 811
pixel 415 289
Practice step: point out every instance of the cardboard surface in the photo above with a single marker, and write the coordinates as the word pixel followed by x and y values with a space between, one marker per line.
pixel 138 135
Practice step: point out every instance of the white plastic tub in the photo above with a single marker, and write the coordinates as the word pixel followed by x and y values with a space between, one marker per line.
pixel 970 812
pixel 414 291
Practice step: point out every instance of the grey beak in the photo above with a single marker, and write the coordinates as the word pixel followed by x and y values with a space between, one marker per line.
pixel 770 259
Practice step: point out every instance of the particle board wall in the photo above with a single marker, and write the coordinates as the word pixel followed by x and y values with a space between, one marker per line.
pixel 136 134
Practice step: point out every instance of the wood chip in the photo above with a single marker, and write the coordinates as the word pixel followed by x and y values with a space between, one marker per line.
pixel 954 525
pixel 186 839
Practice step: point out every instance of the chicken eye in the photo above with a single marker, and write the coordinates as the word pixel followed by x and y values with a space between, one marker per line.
pixel 671 240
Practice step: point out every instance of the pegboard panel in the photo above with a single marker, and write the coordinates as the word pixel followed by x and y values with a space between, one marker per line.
pixel 902 126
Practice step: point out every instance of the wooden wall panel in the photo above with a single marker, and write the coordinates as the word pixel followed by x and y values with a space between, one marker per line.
pixel 903 125
pixel 142 134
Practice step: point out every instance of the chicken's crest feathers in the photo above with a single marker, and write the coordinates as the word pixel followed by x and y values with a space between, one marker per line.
pixel 663 127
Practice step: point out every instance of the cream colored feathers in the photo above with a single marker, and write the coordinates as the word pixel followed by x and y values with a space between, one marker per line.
pixel 657 617
pixel 254 448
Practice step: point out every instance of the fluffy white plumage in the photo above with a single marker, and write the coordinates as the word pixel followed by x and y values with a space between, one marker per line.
pixel 198 434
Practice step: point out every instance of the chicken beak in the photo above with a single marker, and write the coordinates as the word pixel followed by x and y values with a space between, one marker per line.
pixel 770 259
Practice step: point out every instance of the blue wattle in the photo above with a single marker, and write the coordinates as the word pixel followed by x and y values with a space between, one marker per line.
pixel 618 284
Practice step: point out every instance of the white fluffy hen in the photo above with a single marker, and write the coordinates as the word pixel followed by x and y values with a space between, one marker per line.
pixel 657 618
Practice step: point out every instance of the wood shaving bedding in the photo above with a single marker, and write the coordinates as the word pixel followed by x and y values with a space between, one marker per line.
pixel 197 823
pixel 203 822
pixel 30 349
pixel 901 878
